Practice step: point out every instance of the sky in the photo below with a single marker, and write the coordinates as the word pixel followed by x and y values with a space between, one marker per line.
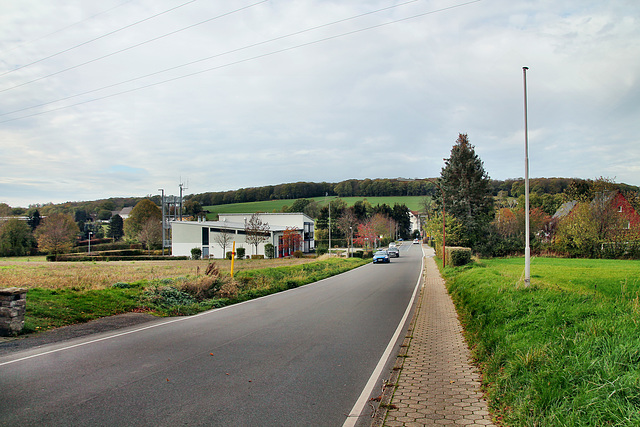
pixel 121 98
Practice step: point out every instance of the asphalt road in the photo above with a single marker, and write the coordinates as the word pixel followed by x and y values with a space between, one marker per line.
pixel 296 358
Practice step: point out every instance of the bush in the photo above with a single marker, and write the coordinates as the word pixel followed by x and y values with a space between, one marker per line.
pixel 202 288
pixel 321 250
pixel 297 254
pixel 229 255
pixel 457 256
pixel 358 254
pixel 269 251
pixel 196 253
pixel 257 256
pixel 240 253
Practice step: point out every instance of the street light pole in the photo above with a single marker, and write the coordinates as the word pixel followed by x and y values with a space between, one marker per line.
pixel 527 249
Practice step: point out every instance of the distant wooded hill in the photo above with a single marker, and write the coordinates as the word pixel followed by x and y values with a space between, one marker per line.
pixel 380 188
pixel 349 188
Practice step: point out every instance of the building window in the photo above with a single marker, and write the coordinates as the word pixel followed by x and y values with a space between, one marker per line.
pixel 205 236
pixel 620 208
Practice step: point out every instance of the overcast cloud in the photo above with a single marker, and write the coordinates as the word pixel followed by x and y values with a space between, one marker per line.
pixel 355 99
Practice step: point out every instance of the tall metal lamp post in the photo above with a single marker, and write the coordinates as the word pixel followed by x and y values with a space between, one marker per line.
pixel 527 249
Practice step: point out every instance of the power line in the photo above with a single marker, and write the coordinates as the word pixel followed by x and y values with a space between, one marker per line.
pixel 242 61
pixel 131 47
pixel 98 38
pixel 198 60
pixel 64 28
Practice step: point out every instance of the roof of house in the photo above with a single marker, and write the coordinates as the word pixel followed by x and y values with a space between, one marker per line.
pixel 225 225
pixel 565 209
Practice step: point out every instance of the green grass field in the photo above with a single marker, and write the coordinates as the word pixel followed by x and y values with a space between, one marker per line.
pixel 69 303
pixel 412 202
pixel 563 352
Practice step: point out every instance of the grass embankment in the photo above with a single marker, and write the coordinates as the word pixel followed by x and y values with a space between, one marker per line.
pixel 563 352
pixel 59 305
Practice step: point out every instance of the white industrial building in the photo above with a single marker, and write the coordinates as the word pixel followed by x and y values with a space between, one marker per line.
pixel 206 235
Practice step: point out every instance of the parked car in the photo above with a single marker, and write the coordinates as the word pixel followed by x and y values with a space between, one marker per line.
pixel 381 256
pixel 416 241
pixel 393 251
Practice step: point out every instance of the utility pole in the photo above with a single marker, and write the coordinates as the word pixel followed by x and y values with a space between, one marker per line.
pixel 527 249
pixel 163 219
pixel 329 228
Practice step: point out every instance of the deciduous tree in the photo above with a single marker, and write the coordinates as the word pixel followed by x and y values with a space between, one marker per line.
pixel 140 214
pixel 57 233
pixel 223 238
pixel 15 238
pixel 256 231
pixel 151 233
pixel 291 240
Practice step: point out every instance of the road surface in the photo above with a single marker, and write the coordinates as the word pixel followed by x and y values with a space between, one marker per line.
pixel 301 357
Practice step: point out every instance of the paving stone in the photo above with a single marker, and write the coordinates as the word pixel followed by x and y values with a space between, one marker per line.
pixel 437 384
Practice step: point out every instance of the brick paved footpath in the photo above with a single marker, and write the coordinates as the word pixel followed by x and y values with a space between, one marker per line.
pixel 436 383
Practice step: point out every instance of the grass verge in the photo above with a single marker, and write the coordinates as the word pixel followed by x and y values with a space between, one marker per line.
pixel 566 350
pixel 185 295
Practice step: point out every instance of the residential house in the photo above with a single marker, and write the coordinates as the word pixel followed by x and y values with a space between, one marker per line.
pixel 208 235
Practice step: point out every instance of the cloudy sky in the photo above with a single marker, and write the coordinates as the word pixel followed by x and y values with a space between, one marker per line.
pixel 122 98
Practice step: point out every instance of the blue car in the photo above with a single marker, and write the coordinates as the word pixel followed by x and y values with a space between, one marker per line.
pixel 381 256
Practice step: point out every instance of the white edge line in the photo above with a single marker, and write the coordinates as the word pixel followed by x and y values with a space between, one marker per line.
pixel 180 319
pixel 357 409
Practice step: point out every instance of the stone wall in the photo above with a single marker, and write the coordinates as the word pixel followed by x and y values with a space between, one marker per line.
pixel 13 304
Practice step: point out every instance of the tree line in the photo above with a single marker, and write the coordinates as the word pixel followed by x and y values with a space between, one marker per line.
pixel 466 211
pixel 381 188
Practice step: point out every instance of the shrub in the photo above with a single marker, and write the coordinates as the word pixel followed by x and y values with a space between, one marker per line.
pixel 321 250
pixel 167 296
pixel 269 251
pixel 196 253
pixel 240 253
pixel 358 254
pixel 257 256
pixel 229 289
pixel 121 285
pixel 297 254
pixel 229 255
pixel 202 288
pixel 457 256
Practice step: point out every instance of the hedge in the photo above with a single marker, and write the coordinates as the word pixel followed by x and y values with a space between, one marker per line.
pixel 75 258
pixel 456 255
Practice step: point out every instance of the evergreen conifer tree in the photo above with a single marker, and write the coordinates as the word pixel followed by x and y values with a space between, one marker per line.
pixel 467 192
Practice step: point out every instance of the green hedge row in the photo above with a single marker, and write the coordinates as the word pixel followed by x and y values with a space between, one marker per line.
pixel 75 258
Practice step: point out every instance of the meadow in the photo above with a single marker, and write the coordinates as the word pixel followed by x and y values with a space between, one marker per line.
pixel 60 294
pixel 412 202
pixel 564 351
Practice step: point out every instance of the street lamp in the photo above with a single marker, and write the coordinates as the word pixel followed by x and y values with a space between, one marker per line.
pixel 527 249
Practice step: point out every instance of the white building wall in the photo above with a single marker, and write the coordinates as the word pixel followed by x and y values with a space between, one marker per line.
pixel 184 237
pixel 187 235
